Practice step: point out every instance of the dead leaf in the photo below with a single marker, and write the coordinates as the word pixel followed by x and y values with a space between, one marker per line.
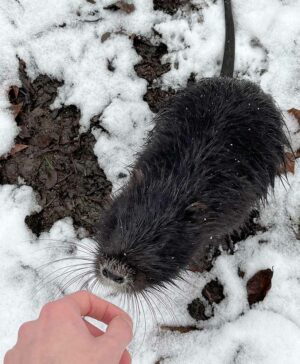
pixel 289 162
pixel 121 5
pixel 295 113
pixel 259 285
pixel 16 109
pixel 18 148
pixel 181 329
pixel 91 1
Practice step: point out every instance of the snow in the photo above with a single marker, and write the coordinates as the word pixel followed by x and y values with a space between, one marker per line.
pixel 258 337
pixel 65 39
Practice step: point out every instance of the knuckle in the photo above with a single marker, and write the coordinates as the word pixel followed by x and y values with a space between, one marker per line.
pixel 56 310
pixel 24 329
pixel 49 309
pixel 84 294
pixel 8 357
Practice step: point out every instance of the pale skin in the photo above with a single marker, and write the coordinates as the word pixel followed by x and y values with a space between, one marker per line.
pixel 61 335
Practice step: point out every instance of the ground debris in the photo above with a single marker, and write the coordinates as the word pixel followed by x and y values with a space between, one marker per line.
pixel 213 292
pixel 289 162
pixel 295 113
pixel 259 285
pixel 181 329
pixel 197 310
pixel 121 5
pixel 169 6
pixel 151 68
pixel 53 158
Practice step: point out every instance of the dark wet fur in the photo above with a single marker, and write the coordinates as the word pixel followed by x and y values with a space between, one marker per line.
pixel 213 154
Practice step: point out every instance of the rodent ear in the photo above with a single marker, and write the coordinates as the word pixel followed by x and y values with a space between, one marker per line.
pixel 191 211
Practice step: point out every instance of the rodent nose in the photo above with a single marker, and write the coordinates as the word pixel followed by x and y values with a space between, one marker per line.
pixel 110 275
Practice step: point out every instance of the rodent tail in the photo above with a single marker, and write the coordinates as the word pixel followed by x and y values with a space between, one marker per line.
pixel 229 48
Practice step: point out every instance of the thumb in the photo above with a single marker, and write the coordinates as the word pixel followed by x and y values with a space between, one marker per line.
pixel 118 334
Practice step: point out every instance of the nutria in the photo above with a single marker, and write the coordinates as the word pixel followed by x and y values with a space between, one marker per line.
pixel 211 157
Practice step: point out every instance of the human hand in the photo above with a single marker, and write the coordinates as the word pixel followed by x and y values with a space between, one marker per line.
pixel 61 336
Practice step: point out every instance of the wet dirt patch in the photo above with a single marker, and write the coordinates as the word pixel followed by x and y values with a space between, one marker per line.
pixel 169 6
pixel 58 162
pixel 151 69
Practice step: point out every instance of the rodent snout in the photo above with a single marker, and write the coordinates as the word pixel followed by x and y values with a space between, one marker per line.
pixel 111 275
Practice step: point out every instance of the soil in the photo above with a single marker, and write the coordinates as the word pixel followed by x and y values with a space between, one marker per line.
pixel 169 6
pixel 152 69
pixel 58 163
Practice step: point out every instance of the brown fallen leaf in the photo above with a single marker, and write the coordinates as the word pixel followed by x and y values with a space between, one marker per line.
pixel 17 148
pixel 121 5
pixel 295 113
pixel 181 329
pixel 16 109
pixel 289 162
pixel 259 285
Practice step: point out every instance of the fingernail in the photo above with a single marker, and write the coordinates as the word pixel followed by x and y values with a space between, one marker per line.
pixel 128 320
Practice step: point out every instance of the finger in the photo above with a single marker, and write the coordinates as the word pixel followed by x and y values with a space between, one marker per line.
pixel 26 329
pixel 118 334
pixel 126 358
pixel 8 358
pixel 93 329
pixel 88 304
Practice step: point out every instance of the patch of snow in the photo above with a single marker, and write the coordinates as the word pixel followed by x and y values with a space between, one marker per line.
pixel 64 39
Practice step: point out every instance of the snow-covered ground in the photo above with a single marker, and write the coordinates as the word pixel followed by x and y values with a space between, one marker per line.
pixel 63 39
